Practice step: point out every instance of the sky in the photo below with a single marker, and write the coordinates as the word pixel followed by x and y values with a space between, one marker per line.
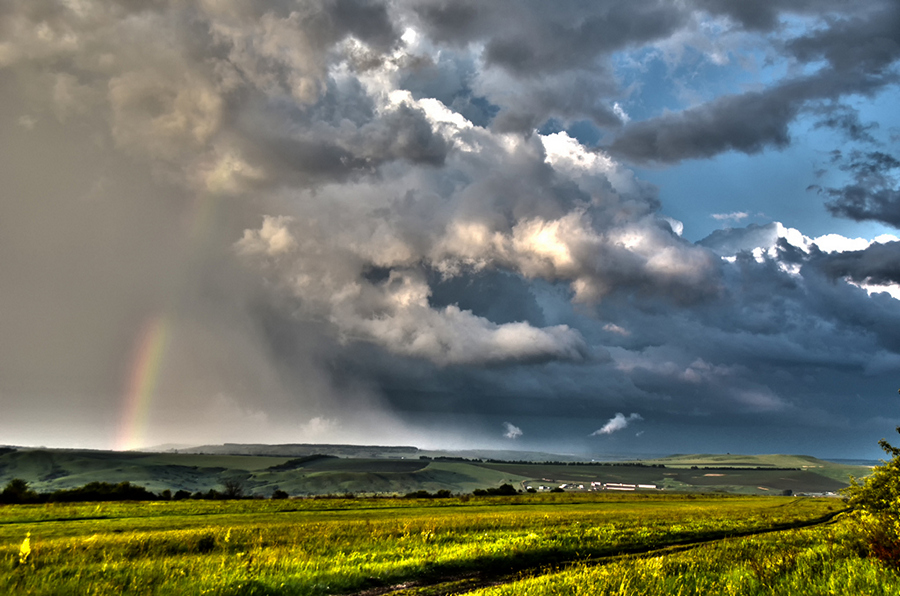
pixel 613 227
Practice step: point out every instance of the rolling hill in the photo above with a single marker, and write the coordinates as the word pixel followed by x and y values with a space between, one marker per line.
pixel 304 470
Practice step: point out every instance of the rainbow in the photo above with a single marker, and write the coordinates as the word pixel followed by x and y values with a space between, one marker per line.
pixel 154 336
pixel 146 365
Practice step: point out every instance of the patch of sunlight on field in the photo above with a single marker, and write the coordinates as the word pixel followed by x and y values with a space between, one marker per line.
pixel 820 560
pixel 333 546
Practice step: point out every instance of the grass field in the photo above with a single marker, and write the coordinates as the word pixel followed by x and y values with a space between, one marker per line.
pixel 344 546
pixel 811 561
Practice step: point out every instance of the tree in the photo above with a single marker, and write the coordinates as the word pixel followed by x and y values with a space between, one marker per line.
pixel 234 489
pixel 17 491
pixel 876 502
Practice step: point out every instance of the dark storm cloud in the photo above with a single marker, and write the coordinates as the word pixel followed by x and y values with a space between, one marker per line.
pixel 557 57
pixel 569 95
pixel 455 22
pixel 569 46
pixel 863 202
pixel 859 51
pixel 449 79
pixel 366 19
pixel 748 123
pixel 877 264
pixel 499 297
pixel 534 38
pixel 547 43
pixel 765 16
pixel 318 151
pixel 775 347
pixel 321 201
pixel 868 43
pixel 846 120
pixel 404 134
pixel 761 348
pixel 814 316
pixel 874 193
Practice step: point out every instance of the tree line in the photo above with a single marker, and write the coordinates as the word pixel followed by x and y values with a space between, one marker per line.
pixel 17 491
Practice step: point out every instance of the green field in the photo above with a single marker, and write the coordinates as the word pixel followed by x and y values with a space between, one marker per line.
pixel 259 474
pixel 345 546
pixel 812 561
pixel 713 524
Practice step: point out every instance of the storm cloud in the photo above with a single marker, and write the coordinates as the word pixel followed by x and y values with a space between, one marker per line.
pixel 859 52
pixel 878 264
pixel 415 221
pixel 873 194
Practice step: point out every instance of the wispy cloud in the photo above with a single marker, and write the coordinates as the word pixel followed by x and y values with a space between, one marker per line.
pixel 613 328
pixel 735 216
pixel 616 423
pixel 27 122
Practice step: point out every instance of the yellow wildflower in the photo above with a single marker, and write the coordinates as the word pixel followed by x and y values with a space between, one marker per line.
pixel 25 549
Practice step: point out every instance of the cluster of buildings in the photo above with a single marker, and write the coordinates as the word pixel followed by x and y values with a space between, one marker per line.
pixel 599 486
pixel 621 486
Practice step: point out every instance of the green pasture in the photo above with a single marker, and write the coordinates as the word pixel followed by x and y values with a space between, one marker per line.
pixel 836 471
pixel 731 479
pixel 740 460
pixel 342 546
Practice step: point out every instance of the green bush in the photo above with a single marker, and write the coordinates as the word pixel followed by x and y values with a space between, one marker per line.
pixel 504 490
pixel 877 504
pixel 17 491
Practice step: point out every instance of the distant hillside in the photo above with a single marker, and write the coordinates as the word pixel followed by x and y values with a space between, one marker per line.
pixel 370 452
pixel 834 470
pixel 337 469
pixel 304 449
pixel 769 460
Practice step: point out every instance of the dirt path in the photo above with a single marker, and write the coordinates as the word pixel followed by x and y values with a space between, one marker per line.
pixel 464 583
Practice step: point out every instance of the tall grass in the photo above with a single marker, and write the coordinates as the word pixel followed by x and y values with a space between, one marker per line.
pixel 813 561
pixel 338 546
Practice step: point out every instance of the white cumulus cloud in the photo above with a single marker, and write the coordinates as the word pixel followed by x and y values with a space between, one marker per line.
pixel 511 431
pixel 616 423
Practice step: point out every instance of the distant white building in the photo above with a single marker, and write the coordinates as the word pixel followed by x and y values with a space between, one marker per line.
pixel 618 486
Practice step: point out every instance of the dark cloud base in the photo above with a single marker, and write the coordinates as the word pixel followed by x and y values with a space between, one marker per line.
pixel 362 221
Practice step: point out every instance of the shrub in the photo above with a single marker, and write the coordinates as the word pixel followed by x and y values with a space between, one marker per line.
pixel 17 491
pixel 419 494
pixel 504 490
pixel 877 504
pixel 424 494
pixel 103 491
